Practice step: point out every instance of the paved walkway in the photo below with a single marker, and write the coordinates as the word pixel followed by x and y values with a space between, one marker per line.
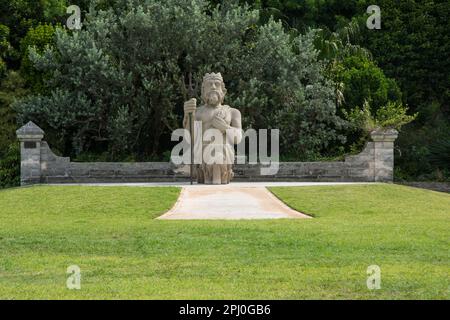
pixel 229 203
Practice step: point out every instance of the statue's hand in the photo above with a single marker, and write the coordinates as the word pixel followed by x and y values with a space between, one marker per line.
pixel 190 106
pixel 220 124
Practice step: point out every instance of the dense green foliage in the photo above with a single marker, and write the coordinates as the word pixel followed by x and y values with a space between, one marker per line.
pixel 17 18
pixel 440 153
pixel 411 48
pixel 405 63
pixel 12 87
pixel 393 115
pixel 112 89
pixel 124 253
pixel 4 47
pixel 21 15
pixel 38 39
pixel 10 167
pixel 364 81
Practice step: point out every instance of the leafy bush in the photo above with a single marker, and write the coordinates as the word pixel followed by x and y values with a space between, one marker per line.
pixel 391 116
pixel 418 138
pixel 20 15
pixel 413 47
pixel 11 88
pixel 10 167
pixel 362 80
pixel 37 38
pixel 2 68
pixel 440 154
pixel 4 47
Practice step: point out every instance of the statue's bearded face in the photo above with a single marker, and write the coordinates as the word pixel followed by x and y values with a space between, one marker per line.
pixel 213 92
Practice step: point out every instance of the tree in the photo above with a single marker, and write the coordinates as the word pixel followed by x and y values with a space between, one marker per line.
pixel 363 80
pixel 12 87
pixel 37 38
pixel 118 84
pixel 393 115
pixel 21 15
pixel 413 47
pixel 4 47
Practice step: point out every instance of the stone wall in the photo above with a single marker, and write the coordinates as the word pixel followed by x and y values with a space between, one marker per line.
pixel 40 165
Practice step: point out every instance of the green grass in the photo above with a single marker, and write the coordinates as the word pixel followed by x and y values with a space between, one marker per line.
pixel 124 253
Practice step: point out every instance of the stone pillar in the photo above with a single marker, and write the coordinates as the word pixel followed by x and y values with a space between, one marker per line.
pixel 384 154
pixel 30 137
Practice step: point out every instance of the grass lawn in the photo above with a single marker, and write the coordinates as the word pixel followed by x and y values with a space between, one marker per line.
pixel 110 233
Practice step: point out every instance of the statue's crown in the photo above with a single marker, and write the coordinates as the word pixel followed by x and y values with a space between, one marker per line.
pixel 213 76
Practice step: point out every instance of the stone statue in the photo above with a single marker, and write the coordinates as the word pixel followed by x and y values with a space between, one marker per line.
pixel 213 114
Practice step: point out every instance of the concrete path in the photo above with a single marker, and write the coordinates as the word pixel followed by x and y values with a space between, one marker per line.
pixel 229 202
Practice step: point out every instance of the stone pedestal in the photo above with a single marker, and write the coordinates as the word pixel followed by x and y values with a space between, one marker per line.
pixel 384 154
pixel 30 137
